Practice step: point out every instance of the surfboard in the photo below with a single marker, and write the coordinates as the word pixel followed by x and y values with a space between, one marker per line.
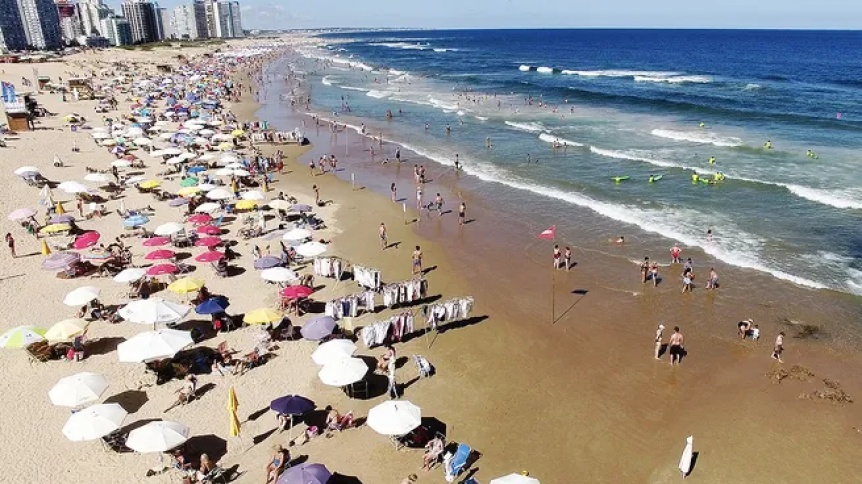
pixel 656 178
pixel 618 179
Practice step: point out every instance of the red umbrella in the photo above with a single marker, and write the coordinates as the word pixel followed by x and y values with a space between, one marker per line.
pixel 160 254
pixel 162 269
pixel 200 218
pixel 210 256
pixel 208 230
pixel 87 239
pixel 296 291
pixel 157 241
pixel 208 242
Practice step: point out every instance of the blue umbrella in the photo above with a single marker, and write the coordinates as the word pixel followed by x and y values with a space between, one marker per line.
pixel 298 207
pixel 213 305
pixel 305 474
pixel 318 328
pixel 196 169
pixel 136 220
pixel 177 202
pixel 266 262
pixel 291 405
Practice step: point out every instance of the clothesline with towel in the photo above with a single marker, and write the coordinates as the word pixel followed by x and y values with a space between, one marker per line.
pixel 349 306
pixel 367 277
pixel 404 292
pixel 392 329
pixel 455 309
pixel 330 267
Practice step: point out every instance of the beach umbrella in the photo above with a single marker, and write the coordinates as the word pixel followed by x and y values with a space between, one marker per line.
pixel 87 239
pixel 188 191
pixel 515 479
pixel 178 202
pixel 318 328
pixel 186 285
pixel 208 242
pixel 246 204
pixel 67 329
pixel 158 436
pixel 207 207
pixel 21 336
pixel 131 274
pixel 62 219
pixel 237 133
pixel 153 345
pixel 232 406
pixel 135 179
pixel 134 132
pixel 22 214
pixel 296 291
pixel 299 207
pixel 196 169
pixel 311 249
pixel 54 228
pixel 206 187
pixel 224 172
pixel 81 296
pixel 206 132
pixel 296 235
pixel 305 473
pixel 213 305
pixel 206 157
pixel 394 417
pixel 262 316
pixel 686 457
pixel 208 230
pixel 161 254
pixel 176 160
pixel 168 229
pixel 225 147
pixel 109 142
pixel 78 389
pixel 172 151
pixel 162 269
pixel 266 262
pixel 210 256
pixel 279 274
pixel 189 181
pixel 142 141
pixel 156 241
pixel 94 422
pixel 343 371
pixel 235 164
pixel 136 220
pixel 25 169
pixel 121 163
pixel 60 261
pixel 153 310
pixel 333 351
pixel 73 187
pixel 200 218
pixel 219 194
pixel 291 405
pixel 96 177
pixel 150 184
pixel 158 153
pixel 278 204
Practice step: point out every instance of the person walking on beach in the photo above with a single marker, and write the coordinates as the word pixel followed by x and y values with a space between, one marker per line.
pixel 644 270
pixel 398 154
pixel 384 240
pixel 457 163
pixel 779 347
pixel 653 273
pixel 567 258
pixel 556 257
pixel 675 252
pixel 419 198
pixel 675 347
pixel 438 201
pixel 687 280
pixel 689 265
pixel 316 195
pixel 417 260
pixel 712 282
pixel 462 213
pixel 10 241
pixel 659 334
pixel 394 191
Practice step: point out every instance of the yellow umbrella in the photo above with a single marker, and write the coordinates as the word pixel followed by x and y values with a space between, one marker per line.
pixel 232 406
pixel 237 133
pixel 67 329
pixel 246 204
pixel 225 146
pixel 262 316
pixel 186 285
pixel 150 184
pixel 50 229
pixel 60 210
pixel 188 191
pixel 45 249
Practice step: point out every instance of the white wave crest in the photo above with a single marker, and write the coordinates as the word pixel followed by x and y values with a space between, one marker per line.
pixel 327 80
pixel 549 138
pixel 545 70
pixel 751 87
pixel 675 79
pixel 378 94
pixel 528 127
pixel 524 68
pixel 837 198
pixel 703 137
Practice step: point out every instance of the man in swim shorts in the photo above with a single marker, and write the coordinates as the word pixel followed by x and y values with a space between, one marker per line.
pixel 675 347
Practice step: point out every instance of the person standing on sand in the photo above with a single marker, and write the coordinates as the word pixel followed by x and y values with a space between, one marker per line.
pixel 644 270
pixel 419 198
pixel 712 282
pixel 316 195
pixel 311 167
pixel 457 162
pixel 567 258
pixel 384 240
pixel 659 334
pixel 462 213
pixel 675 346
pixel 10 241
pixel 779 347
pixel 417 260
pixel 394 191
pixel 675 252
pixel 556 257
pixel 438 202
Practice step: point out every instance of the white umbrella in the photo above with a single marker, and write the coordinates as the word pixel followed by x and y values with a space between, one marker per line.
pixel 166 136
pixel 73 187
pixel 168 229
pixel 153 345
pixel 172 151
pixel 67 329
pixel 158 436
pixel 81 296
pixel 280 204
pixel 206 187
pixel 219 194
pixel 241 172
pixel 94 422
pixel 176 160
pixel 208 207
pixel 685 458
pixel 224 172
pixel 100 135
pixel 157 153
pixel 206 157
pixel 109 142
pixel 135 179
pixel 343 371
pixel 253 195
pixel 297 234
pixel 153 310
pixel 515 479
pixel 206 132
pixel 79 389
pixel 134 132
pixel 235 164
pixel 279 274
pixel 121 164
pixel 143 141
pixel 311 249
pixel 96 177
pixel 333 351
pixel 131 274
pixel 395 417
pixel 26 169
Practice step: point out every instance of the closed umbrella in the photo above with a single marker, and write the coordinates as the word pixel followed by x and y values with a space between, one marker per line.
pixel 232 406
pixel 136 220
pixel 266 262
pixel 162 269
pixel 60 261
pixel 81 296
pixel 87 239
pixel 209 256
pixel 78 390
pixel 213 305
pixel 159 436
pixel 279 274
pixel 131 274
pixel 161 254
pixel 22 214
pixel 344 371
pixel 515 479
pixel 305 473
pixel 296 235
pixel 686 457
pixel 311 249
pixel 318 328
pixel 153 310
pixel 262 316
pixel 153 345
pixel 21 336
pixel 156 241
pixel 168 229
pixel 67 329
pixel 94 422
pixel 333 351
pixel 394 417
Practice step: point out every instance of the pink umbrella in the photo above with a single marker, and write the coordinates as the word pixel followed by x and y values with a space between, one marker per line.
pixel 296 291
pixel 87 239
pixel 162 269
pixel 208 230
pixel 160 254
pixel 208 242
pixel 157 241
pixel 210 256
pixel 200 218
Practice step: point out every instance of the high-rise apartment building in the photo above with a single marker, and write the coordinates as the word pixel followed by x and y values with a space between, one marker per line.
pixel 227 19
pixel 12 35
pixel 117 30
pixel 41 22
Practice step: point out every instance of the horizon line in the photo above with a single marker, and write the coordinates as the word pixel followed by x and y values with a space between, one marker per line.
pixel 784 29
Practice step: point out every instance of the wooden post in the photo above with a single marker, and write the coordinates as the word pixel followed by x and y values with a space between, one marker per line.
pixel 404 209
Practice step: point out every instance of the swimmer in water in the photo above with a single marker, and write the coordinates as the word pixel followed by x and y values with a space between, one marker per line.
pixel 427 127
pixel 811 154
pixel 694 177
pixel 702 124
pixel 621 240
pixel 457 162
pixel 711 160
pixel 767 145
pixel 709 235
pixel 448 129
pixel 488 143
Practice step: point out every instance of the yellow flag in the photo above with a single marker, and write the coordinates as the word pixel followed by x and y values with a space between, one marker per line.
pixel 232 405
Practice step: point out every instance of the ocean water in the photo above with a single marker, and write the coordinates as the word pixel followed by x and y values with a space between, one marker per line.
pixel 633 103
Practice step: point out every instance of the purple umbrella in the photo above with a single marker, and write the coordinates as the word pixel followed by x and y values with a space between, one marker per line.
pixel 62 219
pixel 177 202
pixel 298 207
pixel 266 262
pixel 318 328
pixel 306 474
pixel 291 405
pixel 60 261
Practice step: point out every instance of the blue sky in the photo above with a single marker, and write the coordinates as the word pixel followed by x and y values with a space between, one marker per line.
pixel 819 14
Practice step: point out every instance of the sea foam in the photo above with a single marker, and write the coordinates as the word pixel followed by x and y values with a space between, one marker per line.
pixel 703 137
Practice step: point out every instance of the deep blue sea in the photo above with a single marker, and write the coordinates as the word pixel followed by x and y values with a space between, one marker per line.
pixel 634 103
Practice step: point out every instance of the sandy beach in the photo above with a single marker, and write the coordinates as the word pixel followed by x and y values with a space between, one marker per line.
pixel 573 397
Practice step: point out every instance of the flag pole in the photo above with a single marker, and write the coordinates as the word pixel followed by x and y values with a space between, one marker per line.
pixel 553 289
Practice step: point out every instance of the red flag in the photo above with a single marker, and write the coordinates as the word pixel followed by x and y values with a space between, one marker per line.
pixel 549 234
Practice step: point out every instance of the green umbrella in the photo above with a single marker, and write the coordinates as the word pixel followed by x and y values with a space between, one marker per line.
pixel 189 182
pixel 21 336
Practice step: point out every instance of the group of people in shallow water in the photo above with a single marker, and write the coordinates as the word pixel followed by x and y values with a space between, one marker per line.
pixel 649 271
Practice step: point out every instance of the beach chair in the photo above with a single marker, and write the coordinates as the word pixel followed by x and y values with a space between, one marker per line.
pixel 423 366
pixel 39 352
pixel 457 464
